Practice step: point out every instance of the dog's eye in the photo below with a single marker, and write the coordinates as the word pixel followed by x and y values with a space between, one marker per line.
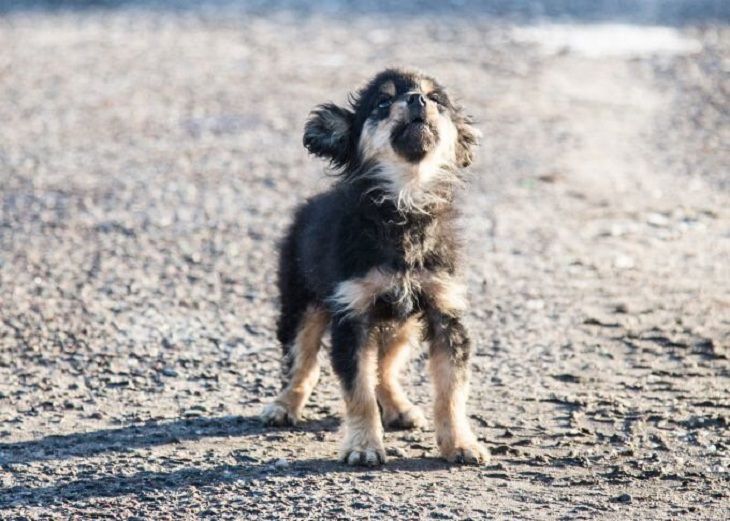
pixel 384 104
pixel 437 98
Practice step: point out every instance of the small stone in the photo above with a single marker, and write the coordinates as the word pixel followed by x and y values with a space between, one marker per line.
pixel 281 463
pixel 254 330
pixel 623 498
pixel 623 262
pixel 621 307
pixel 535 304
pixel 396 452
pixel 657 219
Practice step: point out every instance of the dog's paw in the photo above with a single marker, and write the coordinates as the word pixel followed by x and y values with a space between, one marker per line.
pixel 366 456
pixel 276 415
pixel 412 418
pixel 470 453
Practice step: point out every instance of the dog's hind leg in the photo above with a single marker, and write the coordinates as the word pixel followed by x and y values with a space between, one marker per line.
pixel 300 328
pixel 397 410
pixel 300 368
pixel 355 360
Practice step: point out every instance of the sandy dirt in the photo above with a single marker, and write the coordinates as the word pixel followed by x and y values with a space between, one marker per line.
pixel 150 158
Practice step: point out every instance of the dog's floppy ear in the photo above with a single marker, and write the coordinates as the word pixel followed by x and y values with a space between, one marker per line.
pixel 467 140
pixel 328 133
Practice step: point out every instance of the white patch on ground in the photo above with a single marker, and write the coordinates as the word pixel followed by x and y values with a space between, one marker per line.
pixel 604 40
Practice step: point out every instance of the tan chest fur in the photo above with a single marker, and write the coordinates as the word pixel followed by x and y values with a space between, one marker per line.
pixel 356 296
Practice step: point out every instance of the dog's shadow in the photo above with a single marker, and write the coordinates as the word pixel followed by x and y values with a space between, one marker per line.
pixel 156 433
pixel 143 435
pixel 148 483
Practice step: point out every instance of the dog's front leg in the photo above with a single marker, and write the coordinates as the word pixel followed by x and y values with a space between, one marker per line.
pixel 449 364
pixel 355 360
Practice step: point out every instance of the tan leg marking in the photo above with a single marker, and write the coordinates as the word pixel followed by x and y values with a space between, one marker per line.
pixel 363 444
pixel 453 434
pixel 398 411
pixel 287 407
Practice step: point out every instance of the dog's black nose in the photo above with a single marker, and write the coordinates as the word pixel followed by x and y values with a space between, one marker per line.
pixel 416 100
pixel 416 107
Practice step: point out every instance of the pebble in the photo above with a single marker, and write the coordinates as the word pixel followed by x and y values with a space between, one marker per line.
pixel 535 304
pixel 657 219
pixel 623 498
pixel 281 463
pixel 396 452
pixel 623 262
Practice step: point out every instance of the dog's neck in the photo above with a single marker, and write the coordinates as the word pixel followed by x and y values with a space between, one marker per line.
pixel 423 188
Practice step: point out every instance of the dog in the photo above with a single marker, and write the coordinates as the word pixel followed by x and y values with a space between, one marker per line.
pixel 375 260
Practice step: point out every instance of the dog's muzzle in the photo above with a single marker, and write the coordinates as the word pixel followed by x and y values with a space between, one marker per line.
pixel 416 108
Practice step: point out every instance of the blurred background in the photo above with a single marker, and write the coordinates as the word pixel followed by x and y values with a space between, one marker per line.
pixel 150 158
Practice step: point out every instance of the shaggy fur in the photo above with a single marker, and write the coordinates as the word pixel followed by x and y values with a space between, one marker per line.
pixel 376 258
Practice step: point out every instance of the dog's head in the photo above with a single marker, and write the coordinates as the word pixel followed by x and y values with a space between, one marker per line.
pixel 402 124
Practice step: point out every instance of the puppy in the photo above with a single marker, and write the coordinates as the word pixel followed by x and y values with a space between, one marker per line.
pixel 374 259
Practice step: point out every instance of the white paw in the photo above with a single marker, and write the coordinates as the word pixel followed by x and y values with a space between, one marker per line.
pixel 412 418
pixel 368 456
pixel 275 414
pixel 469 453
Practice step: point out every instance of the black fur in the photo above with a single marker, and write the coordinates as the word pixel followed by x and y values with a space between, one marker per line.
pixel 351 229
pixel 414 143
pixel 328 134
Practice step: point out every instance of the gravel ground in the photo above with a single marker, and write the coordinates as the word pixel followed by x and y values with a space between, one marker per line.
pixel 149 160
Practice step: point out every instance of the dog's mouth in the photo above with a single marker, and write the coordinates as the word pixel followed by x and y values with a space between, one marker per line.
pixel 416 124
pixel 414 139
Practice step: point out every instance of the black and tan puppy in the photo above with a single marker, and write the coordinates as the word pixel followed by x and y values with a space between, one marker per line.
pixel 375 260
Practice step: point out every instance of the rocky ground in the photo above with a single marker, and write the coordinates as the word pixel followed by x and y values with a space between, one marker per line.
pixel 149 160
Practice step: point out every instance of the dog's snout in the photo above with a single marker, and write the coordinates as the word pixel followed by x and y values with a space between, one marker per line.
pixel 416 107
pixel 416 100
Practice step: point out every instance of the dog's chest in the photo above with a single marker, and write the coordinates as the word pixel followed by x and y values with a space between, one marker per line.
pixel 417 247
pixel 414 270
pixel 419 275
pixel 401 295
pixel 387 294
